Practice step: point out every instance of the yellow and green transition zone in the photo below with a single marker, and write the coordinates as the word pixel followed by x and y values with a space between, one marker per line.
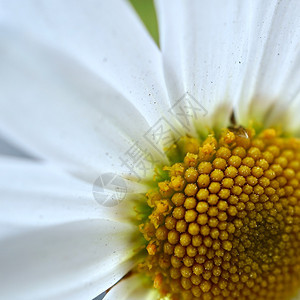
pixel 225 221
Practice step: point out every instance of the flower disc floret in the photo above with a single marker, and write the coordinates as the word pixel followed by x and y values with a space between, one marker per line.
pixel 230 228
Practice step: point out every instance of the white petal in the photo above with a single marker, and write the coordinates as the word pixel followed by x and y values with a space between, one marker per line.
pixel 6 148
pixel 36 195
pixel 202 50
pixel 271 80
pixel 132 288
pixel 294 120
pixel 106 36
pixel 77 260
pixel 235 52
pixel 61 111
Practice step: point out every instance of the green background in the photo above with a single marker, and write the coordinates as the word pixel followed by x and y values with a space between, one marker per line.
pixel 146 11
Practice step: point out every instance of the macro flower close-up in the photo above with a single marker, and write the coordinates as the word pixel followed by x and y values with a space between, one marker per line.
pixel 150 150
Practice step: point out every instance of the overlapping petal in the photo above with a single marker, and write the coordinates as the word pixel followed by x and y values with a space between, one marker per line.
pixel 105 36
pixel 132 288
pixel 34 194
pixel 76 260
pixel 56 241
pixel 241 55
pixel 62 112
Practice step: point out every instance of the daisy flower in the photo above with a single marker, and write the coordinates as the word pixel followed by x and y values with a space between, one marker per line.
pixel 166 172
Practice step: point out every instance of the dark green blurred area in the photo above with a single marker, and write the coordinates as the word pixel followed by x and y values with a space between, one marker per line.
pixel 146 11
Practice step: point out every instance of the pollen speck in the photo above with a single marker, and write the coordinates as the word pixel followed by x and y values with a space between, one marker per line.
pixel 151 248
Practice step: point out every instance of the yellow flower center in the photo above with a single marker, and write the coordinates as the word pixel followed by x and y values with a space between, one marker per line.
pixel 225 224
